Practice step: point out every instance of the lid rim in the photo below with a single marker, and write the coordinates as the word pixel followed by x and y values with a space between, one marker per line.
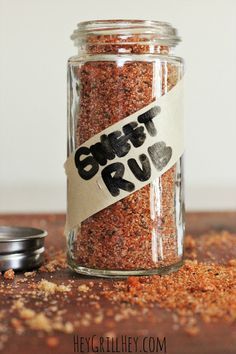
pixel 13 232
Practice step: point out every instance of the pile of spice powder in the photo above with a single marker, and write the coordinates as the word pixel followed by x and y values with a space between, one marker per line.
pixel 120 237
pixel 199 290
pixel 204 290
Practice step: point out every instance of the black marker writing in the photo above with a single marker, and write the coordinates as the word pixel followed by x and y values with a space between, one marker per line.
pixel 160 154
pixel 88 167
pixel 144 173
pixel 147 118
pixel 112 177
pixel 118 144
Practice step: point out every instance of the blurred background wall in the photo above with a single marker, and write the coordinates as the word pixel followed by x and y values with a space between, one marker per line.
pixel 34 48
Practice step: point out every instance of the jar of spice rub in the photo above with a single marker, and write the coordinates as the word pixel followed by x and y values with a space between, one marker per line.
pixel 125 212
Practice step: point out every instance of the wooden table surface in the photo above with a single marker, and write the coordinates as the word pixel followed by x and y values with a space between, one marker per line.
pixel 213 338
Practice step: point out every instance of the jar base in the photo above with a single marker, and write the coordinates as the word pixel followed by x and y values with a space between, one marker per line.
pixel 124 273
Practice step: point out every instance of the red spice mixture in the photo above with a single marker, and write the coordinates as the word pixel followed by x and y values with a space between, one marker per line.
pixel 140 231
pixel 48 301
pixel 197 288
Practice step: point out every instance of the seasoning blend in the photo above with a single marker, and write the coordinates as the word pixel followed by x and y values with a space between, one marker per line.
pixel 125 184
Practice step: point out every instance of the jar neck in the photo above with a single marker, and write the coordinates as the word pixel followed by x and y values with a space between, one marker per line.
pixel 125 37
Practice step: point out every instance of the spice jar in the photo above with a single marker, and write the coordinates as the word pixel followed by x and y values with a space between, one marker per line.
pixel 125 211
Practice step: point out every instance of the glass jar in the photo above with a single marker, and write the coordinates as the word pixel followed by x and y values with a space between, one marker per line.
pixel 123 66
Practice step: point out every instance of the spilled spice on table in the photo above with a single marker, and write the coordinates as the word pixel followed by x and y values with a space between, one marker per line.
pixel 206 290
pixel 9 274
pixel 198 292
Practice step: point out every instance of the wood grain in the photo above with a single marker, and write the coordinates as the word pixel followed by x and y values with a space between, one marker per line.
pixel 214 338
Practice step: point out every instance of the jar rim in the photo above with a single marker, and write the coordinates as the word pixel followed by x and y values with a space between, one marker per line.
pixel 154 32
